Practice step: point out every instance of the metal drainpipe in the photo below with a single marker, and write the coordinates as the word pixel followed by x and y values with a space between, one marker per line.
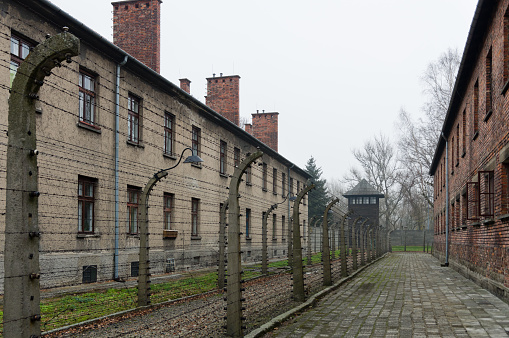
pixel 446 201
pixel 117 135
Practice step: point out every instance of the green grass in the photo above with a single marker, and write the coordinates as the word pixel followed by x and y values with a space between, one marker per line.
pixel 409 248
pixel 74 308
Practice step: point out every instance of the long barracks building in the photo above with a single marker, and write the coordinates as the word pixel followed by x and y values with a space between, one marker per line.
pixel 90 183
pixel 471 161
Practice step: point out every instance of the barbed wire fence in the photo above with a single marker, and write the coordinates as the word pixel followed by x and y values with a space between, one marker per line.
pixel 74 268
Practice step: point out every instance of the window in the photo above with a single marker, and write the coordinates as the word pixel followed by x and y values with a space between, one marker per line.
pixel 20 48
pixel 452 155
pixel 472 200
pixel 458 144
pixel 274 225
pixel 274 180
pixel 464 136
pixel 169 120
pixel 365 200
pixel 133 121
pixel 506 47
pixel 167 210
pixel 505 188
pixel 291 186
pixel 87 97
pixel 222 157
pixel 463 204
pixel 195 205
pixel 486 193
pixel 195 140
pixel 283 184
pixel 264 176
pixel 298 187
pixel 133 200
pixel 359 200
pixel 283 227
pixel 135 269
pixel 86 198
pixel 248 222
pixel 236 157
pixel 89 274
pixel 372 200
pixel 475 114
pixel 489 81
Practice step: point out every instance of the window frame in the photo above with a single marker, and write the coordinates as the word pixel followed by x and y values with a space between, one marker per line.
pixel 486 193
pixel 274 180
pixel 223 149
pixel 264 176
pixel 92 120
pixel 236 157
pixel 83 200
pixel 133 209
pixel 195 217
pixel 168 206
pixel 134 118
pixel 248 223
pixel 196 140
pixel 169 134
pixel 283 184
pixel 17 59
pixel 274 226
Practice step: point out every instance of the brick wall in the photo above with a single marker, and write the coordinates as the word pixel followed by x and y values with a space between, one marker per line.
pixel 265 128
pixel 223 96
pixel 136 29
pixel 478 140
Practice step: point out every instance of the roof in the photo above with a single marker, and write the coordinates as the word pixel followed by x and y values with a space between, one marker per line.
pixel 58 17
pixel 363 188
pixel 474 44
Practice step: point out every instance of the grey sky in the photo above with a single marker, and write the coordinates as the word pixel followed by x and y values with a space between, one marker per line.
pixel 337 71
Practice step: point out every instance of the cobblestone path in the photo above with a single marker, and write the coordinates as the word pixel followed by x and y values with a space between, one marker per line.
pixel 404 295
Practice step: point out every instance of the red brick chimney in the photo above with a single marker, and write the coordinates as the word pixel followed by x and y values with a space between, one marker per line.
pixel 223 96
pixel 136 29
pixel 265 128
pixel 185 85
pixel 249 128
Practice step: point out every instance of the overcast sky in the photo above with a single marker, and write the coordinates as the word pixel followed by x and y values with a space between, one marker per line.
pixel 337 71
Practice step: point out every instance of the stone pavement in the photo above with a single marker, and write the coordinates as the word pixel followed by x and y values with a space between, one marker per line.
pixel 404 295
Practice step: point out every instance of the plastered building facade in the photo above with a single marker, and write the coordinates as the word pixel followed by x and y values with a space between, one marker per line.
pixel 90 185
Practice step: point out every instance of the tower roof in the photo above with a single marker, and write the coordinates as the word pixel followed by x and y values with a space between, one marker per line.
pixel 363 189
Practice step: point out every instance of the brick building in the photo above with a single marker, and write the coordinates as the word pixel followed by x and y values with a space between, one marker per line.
pixel 106 123
pixel 471 162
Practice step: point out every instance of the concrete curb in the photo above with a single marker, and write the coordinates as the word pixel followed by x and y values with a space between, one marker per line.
pixel 275 322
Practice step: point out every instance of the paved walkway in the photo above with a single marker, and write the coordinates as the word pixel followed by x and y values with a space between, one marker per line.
pixel 404 295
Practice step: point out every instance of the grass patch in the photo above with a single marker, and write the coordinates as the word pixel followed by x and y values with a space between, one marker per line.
pixel 74 308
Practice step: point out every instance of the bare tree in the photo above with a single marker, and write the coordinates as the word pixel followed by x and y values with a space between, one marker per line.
pixel 418 137
pixel 380 168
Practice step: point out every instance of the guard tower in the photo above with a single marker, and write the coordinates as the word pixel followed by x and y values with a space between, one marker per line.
pixel 363 200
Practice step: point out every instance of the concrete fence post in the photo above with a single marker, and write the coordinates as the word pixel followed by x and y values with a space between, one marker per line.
pixel 234 300
pixel 22 315
pixel 333 240
pixel 222 246
pixel 144 260
pixel 265 259
pixel 354 244
pixel 298 273
pixel 342 244
pixel 327 278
